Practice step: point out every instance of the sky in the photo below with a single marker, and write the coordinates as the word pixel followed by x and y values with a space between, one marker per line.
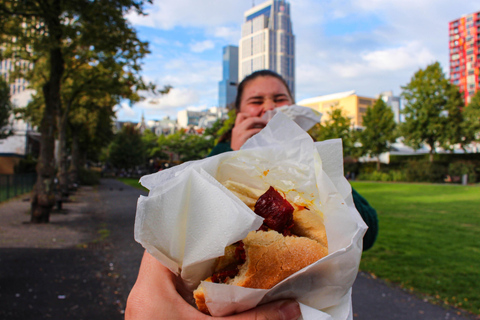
pixel 369 46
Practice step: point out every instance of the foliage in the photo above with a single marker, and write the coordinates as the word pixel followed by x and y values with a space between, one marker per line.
pixel 431 110
pixel 425 171
pixel 460 168
pixel 379 130
pixel 337 126
pixel 126 151
pixel 390 175
pixel 26 165
pixel 471 123
pixel 428 240
pixel 49 33
pixel 187 146
pixel 88 177
pixel 6 108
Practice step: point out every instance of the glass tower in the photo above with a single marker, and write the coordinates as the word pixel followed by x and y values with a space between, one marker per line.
pixel 227 87
pixel 268 42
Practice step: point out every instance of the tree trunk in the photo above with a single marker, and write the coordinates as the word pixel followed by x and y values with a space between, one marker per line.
pixel 378 163
pixel 75 163
pixel 63 180
pixel 43 194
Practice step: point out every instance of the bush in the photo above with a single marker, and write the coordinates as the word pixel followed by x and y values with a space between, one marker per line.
pixel 392 175
pixel 460 168
pixel 88 177
pixel 27 165
pixel 425 171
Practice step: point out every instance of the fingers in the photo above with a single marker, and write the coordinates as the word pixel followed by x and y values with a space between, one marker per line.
pixel 155 296
pixel 279 310
pixel 245 127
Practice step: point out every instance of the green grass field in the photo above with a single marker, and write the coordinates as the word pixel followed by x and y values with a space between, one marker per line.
pixel 429 240
pixel 133 183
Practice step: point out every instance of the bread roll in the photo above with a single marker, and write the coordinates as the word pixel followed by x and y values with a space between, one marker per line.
pixel 271 257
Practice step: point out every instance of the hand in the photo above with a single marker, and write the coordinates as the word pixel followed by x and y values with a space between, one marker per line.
pixel 245 127
pixel 157 294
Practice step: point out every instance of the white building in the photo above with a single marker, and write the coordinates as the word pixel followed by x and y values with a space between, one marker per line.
pixel 268 42
pixel 18 145
pixel 200 119
pixel 394 103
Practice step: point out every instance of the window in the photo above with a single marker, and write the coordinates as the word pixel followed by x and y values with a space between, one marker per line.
pixel 364 101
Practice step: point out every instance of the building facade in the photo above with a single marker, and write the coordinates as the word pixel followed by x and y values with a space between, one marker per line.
pixel 268 42
pixel 227 87
pixel 394 103
pixel 464 45
pixel 352 105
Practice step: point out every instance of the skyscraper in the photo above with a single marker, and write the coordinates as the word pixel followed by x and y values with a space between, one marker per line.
pixel 227 87
pixel 464 47
pixel 268 42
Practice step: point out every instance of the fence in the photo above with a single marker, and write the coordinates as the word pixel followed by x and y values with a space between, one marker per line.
pixel 12 185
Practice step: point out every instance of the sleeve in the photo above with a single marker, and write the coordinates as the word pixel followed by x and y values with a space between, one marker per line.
pixel 221 147
pixel 369 215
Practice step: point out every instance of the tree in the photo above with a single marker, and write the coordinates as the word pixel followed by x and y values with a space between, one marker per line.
pixel 379 130
pixel 187 146
pixel 431 110
pixel 126 150
pixel 471 123
pixel 53 29
pixel 6 108
pixel 337 126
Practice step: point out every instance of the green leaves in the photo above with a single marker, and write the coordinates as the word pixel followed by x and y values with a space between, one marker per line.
pixel 432 110
pixel 471 115
pixel 6 108
pixel 337 126
pixel 380 130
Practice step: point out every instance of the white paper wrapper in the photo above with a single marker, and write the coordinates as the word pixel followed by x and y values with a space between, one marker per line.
pixel 189 217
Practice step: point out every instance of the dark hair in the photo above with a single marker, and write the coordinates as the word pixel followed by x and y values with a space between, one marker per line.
pixel 260 73
pixel 253 76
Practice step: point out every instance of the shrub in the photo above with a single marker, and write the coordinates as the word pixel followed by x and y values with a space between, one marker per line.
pixel 391 175
pixel 88 177
pixel 27 165
pixel 425 171
pixel 459 168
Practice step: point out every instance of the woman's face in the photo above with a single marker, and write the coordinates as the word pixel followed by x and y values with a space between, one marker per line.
pixel 262 94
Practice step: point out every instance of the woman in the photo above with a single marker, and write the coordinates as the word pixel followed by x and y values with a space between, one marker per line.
pixel 266 90
pixel 158 293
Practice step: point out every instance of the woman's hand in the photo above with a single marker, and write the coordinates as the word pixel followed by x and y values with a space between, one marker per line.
pixel 245 127
pixel 156 295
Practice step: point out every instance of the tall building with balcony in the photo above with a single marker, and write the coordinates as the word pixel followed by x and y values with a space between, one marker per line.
pixel 464 44
pixel 268 42
pixel 227 87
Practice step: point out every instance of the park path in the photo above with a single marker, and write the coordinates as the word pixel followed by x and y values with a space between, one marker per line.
pixel 83 264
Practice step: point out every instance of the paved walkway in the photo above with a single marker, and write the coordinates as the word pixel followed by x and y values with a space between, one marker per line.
pixel 83 264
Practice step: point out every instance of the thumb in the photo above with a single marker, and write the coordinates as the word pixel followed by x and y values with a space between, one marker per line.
pixel 279 310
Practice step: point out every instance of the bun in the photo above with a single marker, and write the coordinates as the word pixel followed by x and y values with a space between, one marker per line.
pixel 271 257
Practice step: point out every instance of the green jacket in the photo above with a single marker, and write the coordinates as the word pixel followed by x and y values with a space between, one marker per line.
pixel 368 213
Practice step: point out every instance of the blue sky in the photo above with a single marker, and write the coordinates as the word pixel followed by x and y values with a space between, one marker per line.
pixel 369 46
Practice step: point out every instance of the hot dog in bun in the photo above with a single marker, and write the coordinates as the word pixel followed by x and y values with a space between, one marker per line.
pixel 291 238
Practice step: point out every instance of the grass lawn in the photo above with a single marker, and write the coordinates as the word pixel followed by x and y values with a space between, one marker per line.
pixel 428 241
pixel 132 182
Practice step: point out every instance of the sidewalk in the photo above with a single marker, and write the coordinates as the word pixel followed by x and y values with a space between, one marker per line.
pixel 54 271
pixel 83 264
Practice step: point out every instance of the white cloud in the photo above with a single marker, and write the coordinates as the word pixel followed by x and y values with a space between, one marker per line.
pixel 201 46
pixel 397 38
pixel 167 15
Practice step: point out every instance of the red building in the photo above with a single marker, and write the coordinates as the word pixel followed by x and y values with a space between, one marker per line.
pixel 464 47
